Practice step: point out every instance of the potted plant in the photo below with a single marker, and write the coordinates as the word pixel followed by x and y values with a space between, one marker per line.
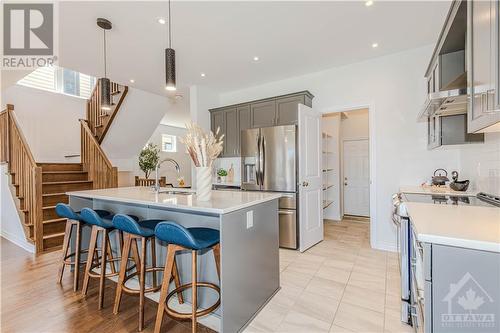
pixel 148 158
pixel 221 175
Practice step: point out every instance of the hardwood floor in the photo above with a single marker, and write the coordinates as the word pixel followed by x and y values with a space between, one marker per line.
pixel 32 301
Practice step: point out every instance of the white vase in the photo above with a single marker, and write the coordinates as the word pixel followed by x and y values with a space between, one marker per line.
pixel 203 183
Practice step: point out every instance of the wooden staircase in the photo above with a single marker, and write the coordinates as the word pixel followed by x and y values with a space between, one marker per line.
pixel 38 187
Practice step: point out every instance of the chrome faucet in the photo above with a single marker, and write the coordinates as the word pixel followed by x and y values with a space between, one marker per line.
pixel 156 186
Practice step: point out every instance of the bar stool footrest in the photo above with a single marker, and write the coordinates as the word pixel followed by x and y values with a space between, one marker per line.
pixel 134 291
pixel 109 261
pixel 67 258
pixel 182 315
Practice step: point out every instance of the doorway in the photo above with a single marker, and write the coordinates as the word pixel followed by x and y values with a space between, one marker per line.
pixel 346 164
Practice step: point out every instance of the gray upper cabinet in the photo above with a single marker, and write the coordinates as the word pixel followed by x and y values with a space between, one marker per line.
pixel 263 114
pixel 280 110
pixel 483 34
pixel 232 139
pixel 245 117
pixel 287 109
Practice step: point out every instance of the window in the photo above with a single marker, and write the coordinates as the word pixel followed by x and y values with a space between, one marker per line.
pixel 60 80
pixel 168 143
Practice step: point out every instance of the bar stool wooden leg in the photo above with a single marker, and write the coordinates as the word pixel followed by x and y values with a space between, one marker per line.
pixel 90 254
pixel 177 281
pixel 123 272
pixel 110 256
pixel 153 261
pixel 78 242
pixel 142 282
pixel 67 236
pixel 170 260
pixel 135 255
pixel 102 279
pixel 194 277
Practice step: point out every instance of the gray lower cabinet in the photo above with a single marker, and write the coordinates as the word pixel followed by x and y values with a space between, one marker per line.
pixel 461 290
pixel 483 45
pixel 263 114
pixel 232 140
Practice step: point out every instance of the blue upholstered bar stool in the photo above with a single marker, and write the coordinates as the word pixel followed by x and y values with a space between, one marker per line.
pixel 180 238
pixel 144 231
pixel 104 226
pixel 73 220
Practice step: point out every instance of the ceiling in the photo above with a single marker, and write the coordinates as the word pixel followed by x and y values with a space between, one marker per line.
pixel 221 38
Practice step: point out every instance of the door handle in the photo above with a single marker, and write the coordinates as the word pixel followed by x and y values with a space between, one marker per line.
pixel 305 184
pixel 345 184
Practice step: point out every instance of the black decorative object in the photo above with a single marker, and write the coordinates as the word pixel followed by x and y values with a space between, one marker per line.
pixel 170 58
pixel 104 82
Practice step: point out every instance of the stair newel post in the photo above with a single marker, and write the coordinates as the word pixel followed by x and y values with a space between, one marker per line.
pixel 114 177
pixel 37 211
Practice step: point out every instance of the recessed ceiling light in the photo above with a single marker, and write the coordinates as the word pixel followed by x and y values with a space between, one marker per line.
pixel 132 80
pixel 202 74
pixel 369 3
pixel 162 20
pixel 375 45
pixel 255 58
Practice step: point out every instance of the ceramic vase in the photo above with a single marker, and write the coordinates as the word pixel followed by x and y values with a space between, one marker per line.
pixel 203 183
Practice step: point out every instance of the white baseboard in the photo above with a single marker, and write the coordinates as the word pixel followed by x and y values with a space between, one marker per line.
pixel 21 242
pixel 386 246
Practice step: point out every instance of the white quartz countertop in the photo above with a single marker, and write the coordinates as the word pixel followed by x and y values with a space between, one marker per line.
pixel 427 189
pixel 222 202
pixel 472 227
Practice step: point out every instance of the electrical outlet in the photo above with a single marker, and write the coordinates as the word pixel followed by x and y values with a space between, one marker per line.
pixel 249 219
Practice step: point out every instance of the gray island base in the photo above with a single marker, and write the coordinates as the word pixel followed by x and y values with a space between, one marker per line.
pixel 248 225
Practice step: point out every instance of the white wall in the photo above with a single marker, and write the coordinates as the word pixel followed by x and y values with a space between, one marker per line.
pixel 481 164
pixel 166 169
pixel 49 121
pixel 393 87
pixel 354 125
pixel 10 223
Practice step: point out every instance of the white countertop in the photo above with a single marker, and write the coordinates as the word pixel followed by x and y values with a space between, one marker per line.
pixel 472 227
pixel 222 202
pixel 427 189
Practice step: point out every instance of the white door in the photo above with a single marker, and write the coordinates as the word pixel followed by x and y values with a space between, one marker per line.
pixel 310 178
pixel 356 177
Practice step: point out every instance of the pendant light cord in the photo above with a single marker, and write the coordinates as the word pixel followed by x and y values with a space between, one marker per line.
pixel 105 69
pixel 169 27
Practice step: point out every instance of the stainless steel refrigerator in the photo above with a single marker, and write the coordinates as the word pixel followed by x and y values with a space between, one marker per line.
pixel 269 163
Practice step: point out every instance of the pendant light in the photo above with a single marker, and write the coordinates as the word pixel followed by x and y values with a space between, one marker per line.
pixel 170 58
pixel 104 82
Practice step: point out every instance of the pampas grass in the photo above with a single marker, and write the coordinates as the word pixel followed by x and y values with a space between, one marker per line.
pixel 202 147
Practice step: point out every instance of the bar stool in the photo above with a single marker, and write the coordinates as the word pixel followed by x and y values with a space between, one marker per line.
pixel 73 220
pixel 104 226
pixel 143 231
pixel 180 238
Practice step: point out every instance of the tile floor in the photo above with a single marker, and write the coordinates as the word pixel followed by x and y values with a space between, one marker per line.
pixel 339 285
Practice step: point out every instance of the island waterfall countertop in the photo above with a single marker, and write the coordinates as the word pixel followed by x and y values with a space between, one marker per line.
pixel 470 227
pixel 222 202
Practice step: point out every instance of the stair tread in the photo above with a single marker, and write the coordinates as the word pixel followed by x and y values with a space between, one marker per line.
pixel 49 207
pixel 59 234
pixel 54 220
pixel 53 194
pixel 67 182
pixel 59 163
pixel 63 172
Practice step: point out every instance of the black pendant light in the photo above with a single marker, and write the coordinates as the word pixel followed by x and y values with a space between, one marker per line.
pixel 170 57
pixel 104 82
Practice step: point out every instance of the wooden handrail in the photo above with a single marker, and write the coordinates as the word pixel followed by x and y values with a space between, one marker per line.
pixel 100 170
pixel 99 120
pixel 27 175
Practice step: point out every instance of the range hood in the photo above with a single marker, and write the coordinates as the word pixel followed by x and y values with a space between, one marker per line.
pixel 446 73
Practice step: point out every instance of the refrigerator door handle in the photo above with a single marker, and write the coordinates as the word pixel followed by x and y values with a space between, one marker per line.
pixel 263 164
pixel 257 160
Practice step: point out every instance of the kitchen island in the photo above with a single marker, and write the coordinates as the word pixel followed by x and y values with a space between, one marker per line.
pixel 248 225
